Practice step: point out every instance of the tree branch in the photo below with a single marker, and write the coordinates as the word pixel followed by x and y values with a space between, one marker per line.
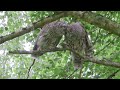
pixel 30 68
pixel 104 62
pixel 98 20
pixel 29 28
pixel 89 17
pixel 86 59
pixel 105 46
pixel 36 52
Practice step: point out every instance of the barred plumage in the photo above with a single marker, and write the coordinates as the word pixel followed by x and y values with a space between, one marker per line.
pixel 77 40
pixel 50 36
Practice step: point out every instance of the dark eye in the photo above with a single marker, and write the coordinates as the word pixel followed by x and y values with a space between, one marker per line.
pixel 35 47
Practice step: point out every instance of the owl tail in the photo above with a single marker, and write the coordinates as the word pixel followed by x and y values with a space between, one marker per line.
pixel 77 61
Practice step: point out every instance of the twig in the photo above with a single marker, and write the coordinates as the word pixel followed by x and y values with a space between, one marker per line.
pixel 30 68
pixel 113 74
pixel 105 46
pixel 72 73
pixel 114 54
pixel 96 38
pixel 80 74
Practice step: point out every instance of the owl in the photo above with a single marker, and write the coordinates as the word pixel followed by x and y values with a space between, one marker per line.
pixel 50 36
pixel 77 40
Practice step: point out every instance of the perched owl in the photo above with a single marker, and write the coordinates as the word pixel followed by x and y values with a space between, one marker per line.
pixel 50 36
pixel 77 39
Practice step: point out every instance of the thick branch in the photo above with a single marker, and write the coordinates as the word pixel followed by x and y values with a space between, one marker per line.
pixel 97 20
pixel 104 62
pixel 36 52
pixel 35 25
pixel 94 60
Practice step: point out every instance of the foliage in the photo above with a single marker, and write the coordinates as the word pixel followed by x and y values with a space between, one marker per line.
pixel 54 65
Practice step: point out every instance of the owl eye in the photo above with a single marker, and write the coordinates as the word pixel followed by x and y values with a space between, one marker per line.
pixel 35 47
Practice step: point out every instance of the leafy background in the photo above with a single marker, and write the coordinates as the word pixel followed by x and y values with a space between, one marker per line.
pixel 54 65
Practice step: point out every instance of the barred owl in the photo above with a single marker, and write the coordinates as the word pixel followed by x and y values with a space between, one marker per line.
pixel 50 36
pixel 77 39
